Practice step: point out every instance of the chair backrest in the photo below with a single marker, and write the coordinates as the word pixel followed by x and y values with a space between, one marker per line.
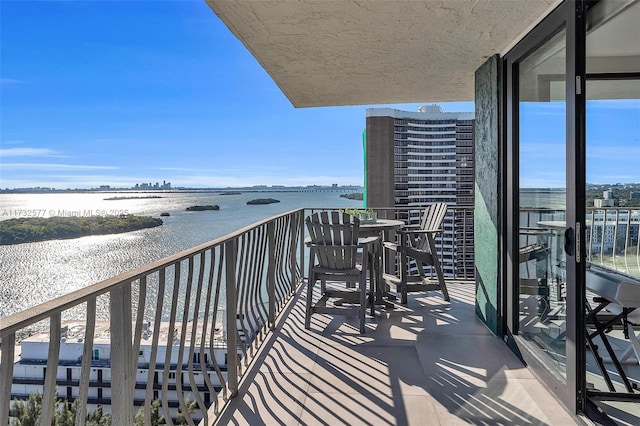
pixel 432 219
pixel 335 239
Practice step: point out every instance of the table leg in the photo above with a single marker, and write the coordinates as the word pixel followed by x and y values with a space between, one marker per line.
pixel 381 293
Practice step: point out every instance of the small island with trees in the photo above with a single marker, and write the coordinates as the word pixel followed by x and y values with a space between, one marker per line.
pixel 203 208
pixel 262 201
pixel 132 198
pixel 353 196
pixel 35 229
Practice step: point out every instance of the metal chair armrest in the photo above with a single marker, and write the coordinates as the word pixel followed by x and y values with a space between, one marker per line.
pixel 420 231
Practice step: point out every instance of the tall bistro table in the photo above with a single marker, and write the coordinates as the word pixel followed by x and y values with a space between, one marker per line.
pixel 380 228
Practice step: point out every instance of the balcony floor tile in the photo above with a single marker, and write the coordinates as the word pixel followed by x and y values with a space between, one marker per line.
pixel 428 363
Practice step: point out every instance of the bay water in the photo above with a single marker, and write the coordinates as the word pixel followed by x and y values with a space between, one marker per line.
pixel 32 273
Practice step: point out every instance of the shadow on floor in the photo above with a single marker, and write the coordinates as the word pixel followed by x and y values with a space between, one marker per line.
pixel 428 363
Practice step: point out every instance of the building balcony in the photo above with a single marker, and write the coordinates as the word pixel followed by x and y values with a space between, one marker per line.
pixel 242 294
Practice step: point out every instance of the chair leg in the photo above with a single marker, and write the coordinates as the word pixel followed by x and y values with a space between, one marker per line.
pixel 438 268
pixel 403 277
pixel 362 286
pixel 373 283
pixel 443 285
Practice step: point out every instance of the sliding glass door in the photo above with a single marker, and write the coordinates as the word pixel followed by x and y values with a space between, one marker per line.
pixel 544 131
pixel 572 160
pixel 542 193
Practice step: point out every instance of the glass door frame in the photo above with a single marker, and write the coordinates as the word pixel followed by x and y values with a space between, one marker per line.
pixel 569 15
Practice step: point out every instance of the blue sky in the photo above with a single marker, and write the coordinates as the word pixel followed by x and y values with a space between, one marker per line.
pixel 613 143
pixel 124 92
pixel 118 93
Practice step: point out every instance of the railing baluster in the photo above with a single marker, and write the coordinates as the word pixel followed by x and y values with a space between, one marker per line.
pixel 121 356
pixel 49 394
pixel 271 275
pixel 170 338
pixel 603 232
pixel 85 369
pixel 183 340
pixel 6 375
pixel 301 246
pixel 232 329
pixel 193 342
pixel 239 324
pixel 615 237
pixel 221 268
pixel 627 238
pixel 154 347
pixel 256 312
pixel 295 242
pixel 591 235
pixel 209 322
pixel 137 337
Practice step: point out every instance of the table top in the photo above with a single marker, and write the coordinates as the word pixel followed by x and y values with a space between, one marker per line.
pixel 382 224
pixel 553 224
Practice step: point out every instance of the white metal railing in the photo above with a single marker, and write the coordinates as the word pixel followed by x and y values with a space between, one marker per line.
pixel 611 234
pixel 172 318
pixel 612 238
pixel 169 312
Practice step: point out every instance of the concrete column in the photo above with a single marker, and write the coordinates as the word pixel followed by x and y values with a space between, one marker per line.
pixel 380 182
pixel 487 214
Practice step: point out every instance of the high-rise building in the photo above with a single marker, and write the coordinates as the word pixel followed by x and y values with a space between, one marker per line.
pixel 413 159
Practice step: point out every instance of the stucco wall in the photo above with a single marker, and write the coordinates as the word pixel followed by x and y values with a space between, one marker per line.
pixel 486 214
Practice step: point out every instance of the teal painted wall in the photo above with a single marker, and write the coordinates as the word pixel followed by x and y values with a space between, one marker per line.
pixel 486 214
pixel 364 161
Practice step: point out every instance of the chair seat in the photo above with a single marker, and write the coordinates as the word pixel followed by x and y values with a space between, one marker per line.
pixel 351 272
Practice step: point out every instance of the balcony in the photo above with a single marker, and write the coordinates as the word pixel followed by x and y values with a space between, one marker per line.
pixel 243 291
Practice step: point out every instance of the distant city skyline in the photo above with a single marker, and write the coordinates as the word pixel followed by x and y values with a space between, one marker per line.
pixel 113 93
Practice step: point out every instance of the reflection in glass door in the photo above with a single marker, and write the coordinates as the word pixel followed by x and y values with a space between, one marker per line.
pixel 542 110
pixel 611 241
pixel 612 219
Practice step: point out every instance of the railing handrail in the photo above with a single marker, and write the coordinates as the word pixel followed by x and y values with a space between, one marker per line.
pixel 613 208
pixel 19 320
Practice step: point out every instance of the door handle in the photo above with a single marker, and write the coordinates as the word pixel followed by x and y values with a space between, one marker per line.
pixel 569 241
pixel 578 231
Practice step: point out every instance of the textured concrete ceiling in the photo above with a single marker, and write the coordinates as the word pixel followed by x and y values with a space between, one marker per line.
pixel 345 52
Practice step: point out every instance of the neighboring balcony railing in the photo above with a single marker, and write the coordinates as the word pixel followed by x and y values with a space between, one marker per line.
pixel 185 327
pixel 611 234
pixel 612 238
